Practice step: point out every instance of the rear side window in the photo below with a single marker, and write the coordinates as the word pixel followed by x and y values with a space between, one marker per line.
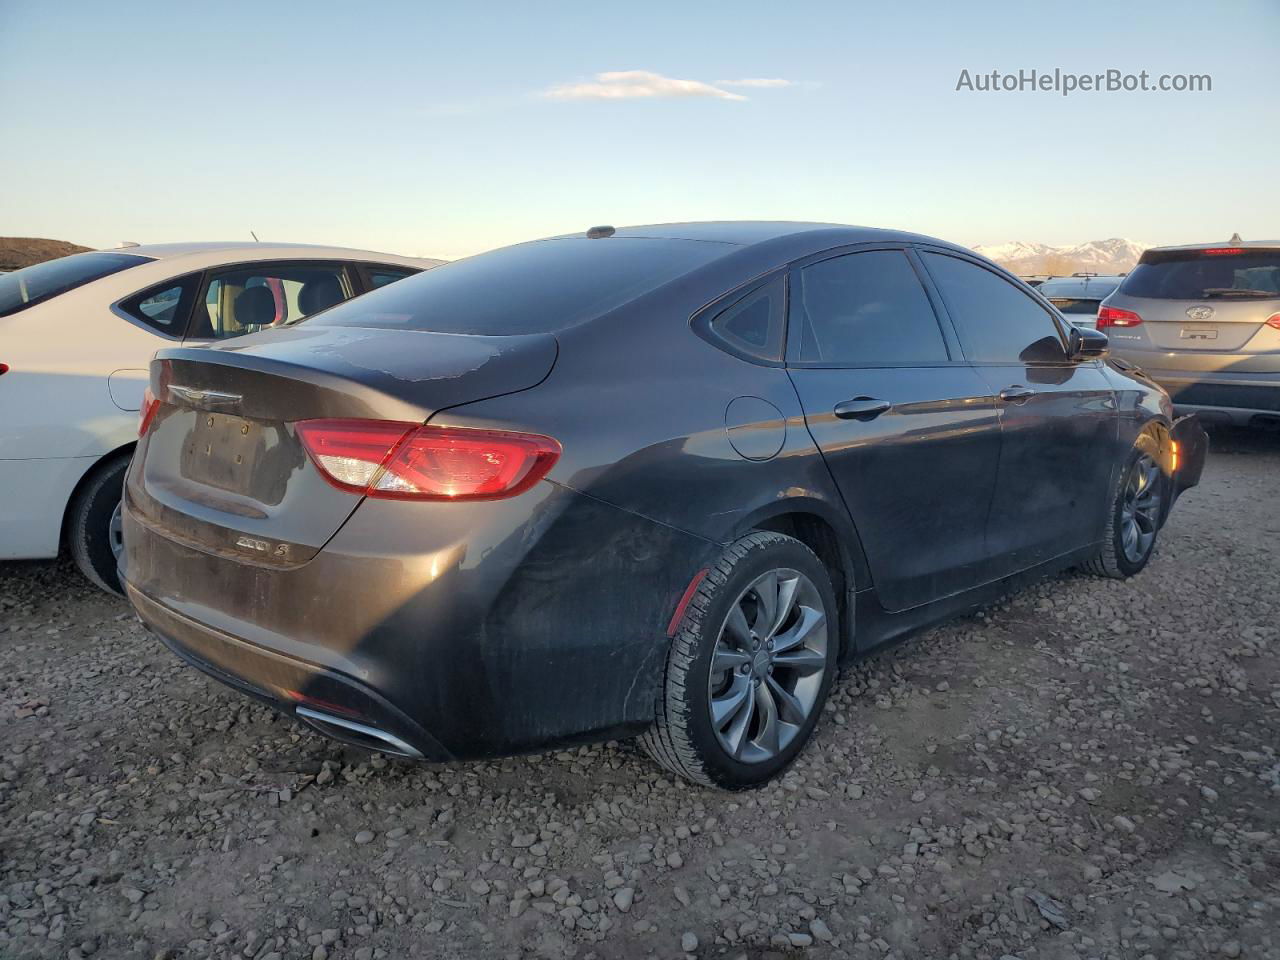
pixel 753 327
pixel 246 299
pixel 165 306
pixel 1230 273
pixel 1000 322
pixel 536 287
pixel 865 309
pixel 43 281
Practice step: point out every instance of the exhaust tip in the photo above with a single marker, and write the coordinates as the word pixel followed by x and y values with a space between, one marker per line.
pixel 356 733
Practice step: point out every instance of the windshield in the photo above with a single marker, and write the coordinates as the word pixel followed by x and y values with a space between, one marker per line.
pixel 31 285
pixel 1227 273
pixel 534 287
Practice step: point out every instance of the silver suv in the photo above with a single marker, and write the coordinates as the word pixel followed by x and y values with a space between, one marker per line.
pixel 1204 321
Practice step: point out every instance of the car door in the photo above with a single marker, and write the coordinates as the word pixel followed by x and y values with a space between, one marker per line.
pixel 1058 416
pixel 908 430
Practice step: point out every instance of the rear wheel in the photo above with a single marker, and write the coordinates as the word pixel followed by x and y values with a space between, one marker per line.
pixel 1135 514
pixel 751 667
pixel 94 530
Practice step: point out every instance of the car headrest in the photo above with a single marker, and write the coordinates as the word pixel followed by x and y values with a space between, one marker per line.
pixel 255 306
pixel 319 294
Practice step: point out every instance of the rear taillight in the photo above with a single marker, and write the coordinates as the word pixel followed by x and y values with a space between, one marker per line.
pixel 1222 251
pixel 1272 321
pixel 405 461
pixel 148 412
pixel 4 368
pixel 1114 317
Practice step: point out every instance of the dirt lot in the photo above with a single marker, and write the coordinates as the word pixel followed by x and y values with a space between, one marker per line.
pixel 1089 770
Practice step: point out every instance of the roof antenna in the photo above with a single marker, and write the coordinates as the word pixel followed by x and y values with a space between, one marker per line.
pixel 1235 238
pixel 255 237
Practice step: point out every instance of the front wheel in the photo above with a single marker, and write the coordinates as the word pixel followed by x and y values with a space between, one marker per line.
pixel 750 669
pixel 1135 514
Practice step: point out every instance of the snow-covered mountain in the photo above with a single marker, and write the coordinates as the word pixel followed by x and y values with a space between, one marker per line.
pixel 1097 256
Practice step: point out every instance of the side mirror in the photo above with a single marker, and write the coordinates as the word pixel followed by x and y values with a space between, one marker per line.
pixel 1085 343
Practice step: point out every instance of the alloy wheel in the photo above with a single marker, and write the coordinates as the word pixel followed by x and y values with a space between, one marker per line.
pixel 115 532
pixel 1140 509
pixel 768 665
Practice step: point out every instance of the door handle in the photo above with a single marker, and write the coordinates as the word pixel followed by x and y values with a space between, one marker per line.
pixel 861 408
pixel 1017 393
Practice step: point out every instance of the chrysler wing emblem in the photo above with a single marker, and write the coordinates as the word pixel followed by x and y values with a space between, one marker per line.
pixel 1199 313
pixel 203 397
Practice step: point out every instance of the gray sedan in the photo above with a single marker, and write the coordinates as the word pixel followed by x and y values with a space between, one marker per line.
pixel 1078 297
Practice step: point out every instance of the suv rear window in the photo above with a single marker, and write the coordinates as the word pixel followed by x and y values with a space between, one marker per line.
pixel 43 281
pixel 1231 273
pixel 536 287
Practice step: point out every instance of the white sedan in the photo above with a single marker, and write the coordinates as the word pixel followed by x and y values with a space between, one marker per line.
pixel 76 336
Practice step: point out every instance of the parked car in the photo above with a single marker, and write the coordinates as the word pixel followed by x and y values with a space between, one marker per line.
pixel 1204 322
pixel 76 335
pixel 654 481
pixel 1078 297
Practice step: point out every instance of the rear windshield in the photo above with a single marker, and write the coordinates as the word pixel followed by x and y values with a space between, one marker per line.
pixel 534 287
pixel 1074 305
pixel 31 285
pixel 1236 274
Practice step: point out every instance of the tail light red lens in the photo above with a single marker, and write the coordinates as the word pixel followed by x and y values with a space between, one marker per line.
pixel 404 461
pixel 4 368
pixel 148 412
pixel 1273 321
pixel 1115 317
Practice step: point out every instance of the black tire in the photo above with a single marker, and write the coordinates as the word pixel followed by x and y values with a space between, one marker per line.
pixel 88 528
pixel 1112 561
pixel 682 738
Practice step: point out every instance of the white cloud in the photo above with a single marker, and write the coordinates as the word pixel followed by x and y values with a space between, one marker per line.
pixel 758 82
pixel 636 84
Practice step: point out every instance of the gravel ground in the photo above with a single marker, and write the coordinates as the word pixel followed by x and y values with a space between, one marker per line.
pixel 1087 770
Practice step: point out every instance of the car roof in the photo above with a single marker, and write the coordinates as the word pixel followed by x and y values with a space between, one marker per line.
pixel 797 237
pixel 250 250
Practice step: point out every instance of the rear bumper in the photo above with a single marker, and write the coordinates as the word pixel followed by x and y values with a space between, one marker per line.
pixel 1222 396
pixel 336 705
pixel 462 630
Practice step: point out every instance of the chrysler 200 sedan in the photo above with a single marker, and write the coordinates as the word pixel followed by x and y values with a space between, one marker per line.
pixel 658 481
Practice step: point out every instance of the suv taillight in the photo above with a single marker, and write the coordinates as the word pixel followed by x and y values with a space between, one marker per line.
pixel 405 461
pixel 1273 321
pixel 1115 317
pixel 148 412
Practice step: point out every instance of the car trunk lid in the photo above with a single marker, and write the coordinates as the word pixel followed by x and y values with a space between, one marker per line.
pixel 1216 325
pixel 222 466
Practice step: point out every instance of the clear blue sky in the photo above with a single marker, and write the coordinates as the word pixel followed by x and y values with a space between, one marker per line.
pixel 425 128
